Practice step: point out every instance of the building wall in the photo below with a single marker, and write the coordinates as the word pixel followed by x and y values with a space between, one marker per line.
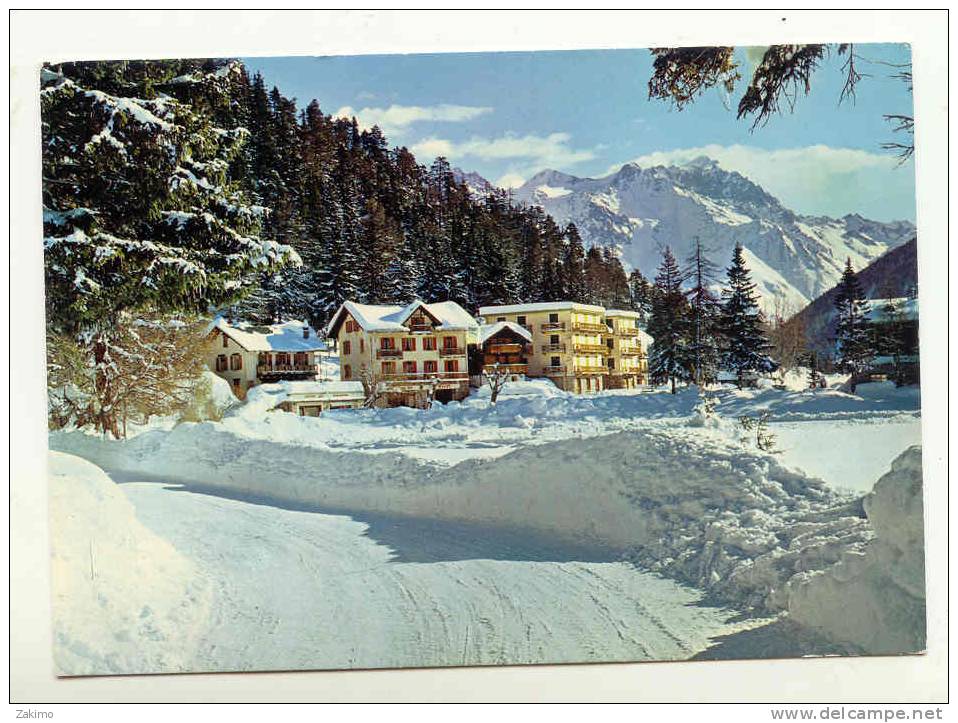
pixel 582 357
pixel 241 379
pixel 629 365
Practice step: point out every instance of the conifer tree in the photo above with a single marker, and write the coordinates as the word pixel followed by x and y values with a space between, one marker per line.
pixel 853 350
pixel 704 312
pixel 573 269
pixel 668 325
pixel 745 348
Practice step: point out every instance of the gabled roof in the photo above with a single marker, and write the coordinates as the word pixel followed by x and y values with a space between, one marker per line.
pixel 287 336
pixel 540 306
pixel 487 331
pixel 448 315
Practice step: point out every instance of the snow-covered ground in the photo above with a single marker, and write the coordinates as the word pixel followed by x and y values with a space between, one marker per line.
pixel 495 519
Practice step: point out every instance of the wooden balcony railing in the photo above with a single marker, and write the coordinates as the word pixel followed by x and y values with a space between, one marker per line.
pixel 508 348
pixel 553 326
pixel 589 369
pixel 420 327
pixel 585 326
pixel 266 369
pixel 626 331
pixel 388 353
pixel 590 349
pixel 422 376
pixel 451 351
pixel 506 369
pixel 546 348
pixel 630 352
pixel 553 370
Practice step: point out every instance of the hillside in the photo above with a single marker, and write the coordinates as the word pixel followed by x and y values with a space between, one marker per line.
pixel 893 274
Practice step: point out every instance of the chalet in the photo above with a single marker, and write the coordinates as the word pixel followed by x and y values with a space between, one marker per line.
pixel 628 345
pixel 893 324
pixel 503 348
pixel 568 341
pixel 413 353
pixel 246 354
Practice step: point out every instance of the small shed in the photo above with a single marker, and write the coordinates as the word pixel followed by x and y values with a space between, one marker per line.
pixel 311 399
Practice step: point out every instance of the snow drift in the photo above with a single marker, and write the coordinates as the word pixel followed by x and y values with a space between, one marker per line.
pixel 729 520
pixel 875 598
pixel 124 600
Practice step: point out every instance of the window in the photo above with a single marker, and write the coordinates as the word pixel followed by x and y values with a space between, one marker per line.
pixel 409 344
pixel 236 383
pixel 282 359
pixel 387 342
pixel 611 363
pixel 521 320
pixel 409 367
pixel 300 359
pixel 451 365
pixel 500 318
pixel 362 346
pixel 236 362
pixel 430 366
pixel 226 342
pixel 554 361
pixel 553 318
pixel 347 348
pixel 221 362
pixel 553 338
pixel 429 343
pixel 347 372
pixel 389 368
pixel 449 342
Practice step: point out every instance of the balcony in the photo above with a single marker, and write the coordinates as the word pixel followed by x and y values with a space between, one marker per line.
pixel 626 331
pixel 266 370
pixel 451 351
pixel 553 326
pixel 420 327
pixel 388 353
pixel 590 369
pixel 590 349
pixel 554 348
pixel 423 377
pixel 510 348
pixel 553 370
pixel 505 369
pixel 592 328
pixel 630 352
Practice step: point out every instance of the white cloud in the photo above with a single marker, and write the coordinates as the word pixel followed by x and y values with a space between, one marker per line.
pixel 531 153
pixel 812 179
pixel 510 180
pixel 396 118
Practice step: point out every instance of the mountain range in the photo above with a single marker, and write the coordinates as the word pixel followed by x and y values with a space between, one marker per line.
pixel 638 211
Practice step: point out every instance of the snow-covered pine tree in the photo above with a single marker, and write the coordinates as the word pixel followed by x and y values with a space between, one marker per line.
pixel 704 314
pixel 745 348
pixel 640 292
pixel 139 211
pixel 668 325
pixel 853 349
pixel 890 337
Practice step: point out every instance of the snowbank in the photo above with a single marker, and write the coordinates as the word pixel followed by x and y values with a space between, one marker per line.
pixel 124 600
pixel 722 517
pixel 875 598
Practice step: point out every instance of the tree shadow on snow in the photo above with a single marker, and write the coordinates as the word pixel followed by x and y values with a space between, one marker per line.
pixel 777 639
pixel 424 540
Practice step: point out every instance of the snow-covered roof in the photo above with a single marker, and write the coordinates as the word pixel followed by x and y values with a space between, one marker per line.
pixel 487 331
pixel 622 312
pixel 323 388
pixel 645 340
pixel 908 308
pixel 383 317
pixel 540 306
pixel 287 336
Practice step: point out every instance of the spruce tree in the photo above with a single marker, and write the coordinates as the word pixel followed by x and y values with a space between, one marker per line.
pixel 704 312
pixel 853 350
pixel 745 348
pixel 573 269
pixel 668 325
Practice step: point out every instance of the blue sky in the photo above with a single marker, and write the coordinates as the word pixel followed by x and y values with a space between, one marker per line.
pixel 509 115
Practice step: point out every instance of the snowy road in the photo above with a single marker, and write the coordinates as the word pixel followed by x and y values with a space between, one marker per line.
pixel 297 589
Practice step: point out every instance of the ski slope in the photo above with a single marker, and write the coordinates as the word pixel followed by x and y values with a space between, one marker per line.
pixel 296 589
